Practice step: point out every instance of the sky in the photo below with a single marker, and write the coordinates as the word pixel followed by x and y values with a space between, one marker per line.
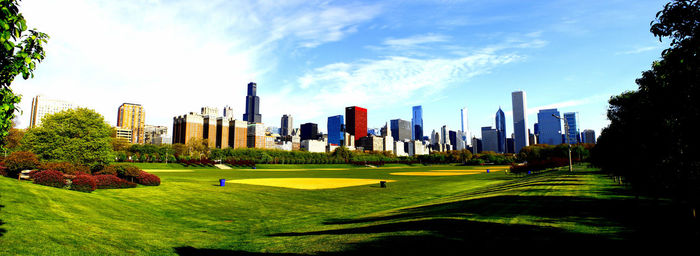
pixel 311 59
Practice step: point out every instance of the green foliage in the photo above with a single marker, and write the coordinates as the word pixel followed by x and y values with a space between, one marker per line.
pixel 79 136
pixel 652 137
pixel 124 171
pixel 20 51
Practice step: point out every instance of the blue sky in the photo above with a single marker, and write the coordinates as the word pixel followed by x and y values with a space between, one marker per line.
pixel 313 58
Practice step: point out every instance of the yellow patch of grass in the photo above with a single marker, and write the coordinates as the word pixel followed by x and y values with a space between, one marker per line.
pixel 309 183
pixel 166 170
pixel 433 173
pixel 296 170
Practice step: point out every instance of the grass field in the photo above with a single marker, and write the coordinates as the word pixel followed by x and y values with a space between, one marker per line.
pixel 189 214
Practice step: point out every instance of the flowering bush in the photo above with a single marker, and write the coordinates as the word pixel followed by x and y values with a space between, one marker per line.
pixel 124 171
pixel 112 181
pixel 147 179
pixel 20 160
pixel 50 178
pixel 84 183
pixel 64 167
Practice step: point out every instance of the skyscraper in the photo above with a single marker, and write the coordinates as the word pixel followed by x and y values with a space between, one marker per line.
pixel 417 123
pixel 335 130
pixel 356 123
pixel 466 135
pixel 309 131
pixel 252 105
pixel 132 116
pixel 400 129
pixel 287 124
pixel 489 139
pixel 572 133
pixel 445 135
pixel 501 129
pixel 42 106
pixel 520 120
pixel 549 127
pixel 228 112
pixel 588 136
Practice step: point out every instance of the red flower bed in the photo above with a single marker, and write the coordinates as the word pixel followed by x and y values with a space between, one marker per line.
pixel 112 181
pixel 84 183
pixel 147 179
pixel 50 178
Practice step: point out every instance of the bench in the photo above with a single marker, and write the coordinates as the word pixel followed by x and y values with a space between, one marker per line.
pixel 24 175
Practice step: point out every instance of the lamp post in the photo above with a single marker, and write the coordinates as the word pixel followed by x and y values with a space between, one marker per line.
pixel 568 141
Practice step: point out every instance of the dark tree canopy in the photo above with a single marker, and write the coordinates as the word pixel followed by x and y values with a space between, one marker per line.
pixel 652 137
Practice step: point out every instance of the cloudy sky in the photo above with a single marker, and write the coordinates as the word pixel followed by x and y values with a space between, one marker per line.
pixel 311 59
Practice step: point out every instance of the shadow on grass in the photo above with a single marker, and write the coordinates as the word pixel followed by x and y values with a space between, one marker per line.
pixel 2 230
pixel 478 220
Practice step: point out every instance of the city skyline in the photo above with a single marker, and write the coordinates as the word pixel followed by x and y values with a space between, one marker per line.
pixel 490 59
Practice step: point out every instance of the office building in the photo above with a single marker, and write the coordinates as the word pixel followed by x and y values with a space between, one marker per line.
pixel 453 138
pixel 132 116
pixel 256 135
pixel 400 129
pixel 210 111
pixel 252 105
pixel 477 147
pixel 549 127
pixel 501 128
pixel 41 106
pixel 588 136
pixel 187 127
pixel 238 134
pixel 572 133
pixel 287 124
pixel 466 135
pixel 123 134
pixel 228 112
pixel 356 122
pixel 445 135
pixel 510 146
pixel 336 130
pixel 371 143
pixel 217 132
pixel 309 131
pixel 153 132
pixel 489 139
pixel 417 123
pixel 519 102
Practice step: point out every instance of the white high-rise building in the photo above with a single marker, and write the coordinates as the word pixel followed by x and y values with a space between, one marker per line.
pixel 466 136
pixel 520 120
pixel 41 106
pixel 445 135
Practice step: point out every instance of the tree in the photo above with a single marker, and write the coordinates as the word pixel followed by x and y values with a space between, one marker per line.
pixel 78 136
pixel 20 51
pixel 652 138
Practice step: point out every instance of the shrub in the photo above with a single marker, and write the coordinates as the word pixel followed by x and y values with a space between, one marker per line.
pixel 84 183
pixel 124 171
pixel 20 160
pixel 148 179
pixel 64 167
pixel 3 170
pixel 50 178
pixel 112 181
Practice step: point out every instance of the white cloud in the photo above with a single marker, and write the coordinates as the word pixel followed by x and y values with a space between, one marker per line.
pixel 415 40
pixel 638 50
pixel 173 57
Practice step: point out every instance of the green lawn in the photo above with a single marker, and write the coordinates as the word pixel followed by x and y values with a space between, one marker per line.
pixel 190 214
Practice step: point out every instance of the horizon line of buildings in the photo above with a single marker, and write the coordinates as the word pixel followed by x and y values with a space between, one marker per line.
pixel 402 137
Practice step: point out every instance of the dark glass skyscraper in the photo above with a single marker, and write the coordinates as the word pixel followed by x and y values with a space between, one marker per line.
pixel 417 123
pixel 309 131
pixel 501 128
pixel 252 105
pixel 286 125
pixel 356 123
pixel 335 129
pixel 400 129
pixel 573 133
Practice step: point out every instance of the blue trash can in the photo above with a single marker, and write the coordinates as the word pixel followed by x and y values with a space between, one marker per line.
pixel 487 170
pixel 222 182
pixel 528 172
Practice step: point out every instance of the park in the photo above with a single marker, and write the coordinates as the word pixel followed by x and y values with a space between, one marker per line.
pixel 318 209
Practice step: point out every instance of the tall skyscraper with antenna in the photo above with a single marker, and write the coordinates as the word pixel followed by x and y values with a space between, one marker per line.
pixel 252 105
pixel 466 136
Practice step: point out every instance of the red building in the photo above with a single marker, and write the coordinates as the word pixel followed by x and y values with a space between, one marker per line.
pixel 356 121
